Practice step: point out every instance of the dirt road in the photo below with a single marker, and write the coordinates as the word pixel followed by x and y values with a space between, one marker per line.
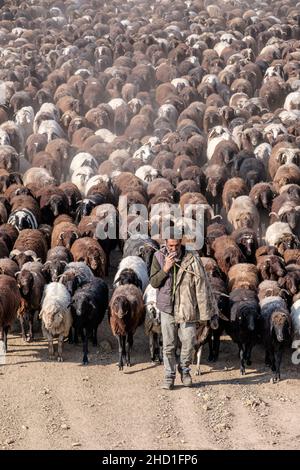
pixel 49 405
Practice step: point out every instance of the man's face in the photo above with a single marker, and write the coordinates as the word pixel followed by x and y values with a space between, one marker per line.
pixel 173 246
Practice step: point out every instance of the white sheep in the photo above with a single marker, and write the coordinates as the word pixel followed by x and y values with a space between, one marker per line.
pixel 47 111
pixel 153 323
pixel 146 173
pixel 116 103
pixel 24 119
pixel 292 101
pixel 144 153
pixel 38 176
pixel 216 135
pixel 56 316
pixel 243 213
pixel 169 112
pixel 81 176
pixel 276 231
pixel 180 83
pixel 138 266
pixel 106 135
pixel 263 152
pixel 52 130
pixel 83 159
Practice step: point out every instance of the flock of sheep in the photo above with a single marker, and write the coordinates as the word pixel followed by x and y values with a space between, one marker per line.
pixel 186 102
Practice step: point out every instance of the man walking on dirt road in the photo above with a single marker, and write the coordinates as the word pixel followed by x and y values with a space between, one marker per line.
pixel 184 298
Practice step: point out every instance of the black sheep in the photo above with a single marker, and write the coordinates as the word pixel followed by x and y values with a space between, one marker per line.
pixel 89 304
pixel 275 329
pixel 243 326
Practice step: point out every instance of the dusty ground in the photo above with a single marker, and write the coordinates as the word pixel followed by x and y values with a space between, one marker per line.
pixel 49 405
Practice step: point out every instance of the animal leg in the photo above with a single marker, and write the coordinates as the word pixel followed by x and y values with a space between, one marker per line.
pixel 94 336
pixel 50 346
pixel 85 360
pixel 129 347
pixel 6 337
pixel 29 337
pixel 242 360
pixel 60 348
pixel 120 341
pixel 278 357
pixel 248 351
pixel 199 352
pixel 21 319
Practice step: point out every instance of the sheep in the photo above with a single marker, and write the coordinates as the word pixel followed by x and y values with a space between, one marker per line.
pixel 56 316
pixel 227 253
pixel 282 153
pixel 39 177
pixel 140 246
pixel 286 174
pixel 89 304
pixel 24 119
pixel 275 328
pixel 290 280
pixel 81 176
pixel 126 313
pixel 280 235
pixel 32 240
pixel 153 324
pixel 15 135
pixel 243 327
pixel 83 159
pixel 270 289
pixel 233 188
pixel 8 267
pixel 57 260
pixel 147 173
pixel 216 177
pixel 243 213
pixel 89 250
pixel 64 234
pixel 9 303
pixel 9 158
pixel 31 284
pixel 290 256
pixel 75 275
pixel 246 239
pixel 243 276
pixel 51 129
pixel 137 265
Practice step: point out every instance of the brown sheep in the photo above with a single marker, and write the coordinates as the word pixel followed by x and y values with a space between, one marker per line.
pixel 9 303
pixel 227 253
pixel 64 234
pixel 88 250
pixel 286 174
pixel 8 267
pixel 243 275
pixel 33 240
pixel 126 312
pixel 233 188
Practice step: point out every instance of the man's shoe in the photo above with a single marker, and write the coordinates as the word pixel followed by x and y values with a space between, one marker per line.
pixel 168 386
pixel 186 379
